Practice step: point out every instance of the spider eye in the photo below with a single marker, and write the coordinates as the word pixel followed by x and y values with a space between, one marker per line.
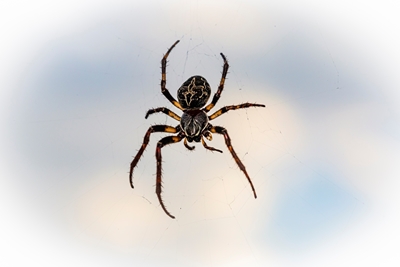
pixel 194 93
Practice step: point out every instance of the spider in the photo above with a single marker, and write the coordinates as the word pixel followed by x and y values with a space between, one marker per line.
pixel 194 124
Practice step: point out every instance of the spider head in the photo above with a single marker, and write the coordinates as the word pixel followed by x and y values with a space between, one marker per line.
pixel 194 93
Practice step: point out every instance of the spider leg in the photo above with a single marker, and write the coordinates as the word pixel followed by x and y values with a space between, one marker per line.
pixel 209 147
pixel 224 132
pixel 220 87
pixel 163 110
pixel 233 107
pixel 187 146
pixel 163 142
pixel 152 129
pixel 164 90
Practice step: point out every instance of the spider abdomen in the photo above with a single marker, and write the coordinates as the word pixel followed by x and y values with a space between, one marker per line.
pixel 194 93
pixel 193 122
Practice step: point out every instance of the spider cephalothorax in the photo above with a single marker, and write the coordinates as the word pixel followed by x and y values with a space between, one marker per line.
pixel 194 123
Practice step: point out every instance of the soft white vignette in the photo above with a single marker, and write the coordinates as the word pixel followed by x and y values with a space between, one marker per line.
pixel 29 26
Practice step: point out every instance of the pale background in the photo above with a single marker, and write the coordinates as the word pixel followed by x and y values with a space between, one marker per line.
pixel 77 78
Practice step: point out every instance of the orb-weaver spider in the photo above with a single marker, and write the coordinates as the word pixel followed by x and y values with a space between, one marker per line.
pixel 194 124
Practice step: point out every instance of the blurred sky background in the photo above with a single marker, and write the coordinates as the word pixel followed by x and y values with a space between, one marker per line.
pixel 77 78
